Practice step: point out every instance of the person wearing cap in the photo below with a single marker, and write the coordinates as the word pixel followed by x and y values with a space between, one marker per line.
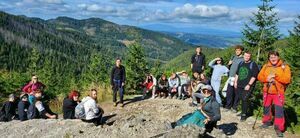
pixel 23 107
pixel 69 105
pixel 149 85
pixel 184 84
pixel 219 70
pixel 210 108
pixel 8 110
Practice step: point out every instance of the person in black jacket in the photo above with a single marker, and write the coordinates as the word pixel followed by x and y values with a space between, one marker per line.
pixel 210 108
pixel 117 81
pixel 198 61
pixel 69 105
pixel 8 111
pixel 23 107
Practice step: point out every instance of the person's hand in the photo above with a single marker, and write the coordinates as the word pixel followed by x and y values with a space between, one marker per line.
pixel 270 78
pixel 247 88
pixel 206 121
pixel 230 62
pixel 123 83
pixel 235 85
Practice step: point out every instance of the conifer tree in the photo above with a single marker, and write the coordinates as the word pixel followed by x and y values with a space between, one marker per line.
pixel 262 30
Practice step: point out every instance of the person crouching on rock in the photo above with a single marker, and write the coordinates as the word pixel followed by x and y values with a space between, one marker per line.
pixel 40 109
pixel 8 110
pixel 149 85
pixel 69 105
pixel 93 113
pixel 210 108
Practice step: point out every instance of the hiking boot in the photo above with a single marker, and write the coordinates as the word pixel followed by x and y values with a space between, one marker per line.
pixel 122 105
pixel 264 126
pixel 243 117
pixel 279 133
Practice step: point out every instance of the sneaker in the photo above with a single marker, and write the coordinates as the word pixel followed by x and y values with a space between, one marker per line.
pixel 264 126
pixel 153 97
pixel 243 117
pixel 122 105
pixel 279 133
pixel 234 111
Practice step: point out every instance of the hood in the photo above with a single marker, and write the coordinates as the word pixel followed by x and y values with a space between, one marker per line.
pixel 279 63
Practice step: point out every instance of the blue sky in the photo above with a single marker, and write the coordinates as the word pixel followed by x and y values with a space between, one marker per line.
pixel 217 14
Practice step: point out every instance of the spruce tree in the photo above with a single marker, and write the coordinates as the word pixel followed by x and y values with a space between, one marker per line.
pixel 136 66
pixel 33 61
pixel 262 30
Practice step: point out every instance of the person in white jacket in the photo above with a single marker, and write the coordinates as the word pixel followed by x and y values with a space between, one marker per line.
pixel 149 84
pixel 93 113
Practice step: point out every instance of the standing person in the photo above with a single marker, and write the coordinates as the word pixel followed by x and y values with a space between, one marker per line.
pixel 198 61
pixel 23 107
pixel 117 80
pixel 69 105
pixel 275 75
pixel 219 70
pixel 93 113
pixel 173 85
pixel 244 83
pixel 32 86
pixel 233 63
pixel 163 86
pixel 8 110
pixel 149 84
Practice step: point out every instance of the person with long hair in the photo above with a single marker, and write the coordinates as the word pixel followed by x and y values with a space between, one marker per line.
pixel 69 105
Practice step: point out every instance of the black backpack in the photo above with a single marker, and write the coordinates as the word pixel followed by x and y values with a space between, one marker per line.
pixel 32 112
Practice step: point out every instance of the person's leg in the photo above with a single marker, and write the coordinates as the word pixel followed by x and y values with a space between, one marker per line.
pixel 179 92
pixel 267 112
pixel 245 103
pixel 237 97
pixel 279 120
pixel 115 89
pixel 229 96
pixel 216 86
pixel 121 91
pixel 210 126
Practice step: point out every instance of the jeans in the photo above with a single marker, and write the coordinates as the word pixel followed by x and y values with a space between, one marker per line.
pixel 118 87
pixel 216 86
pixel 182 90
pixel 230 94
pixel 197 95
pixel 244 96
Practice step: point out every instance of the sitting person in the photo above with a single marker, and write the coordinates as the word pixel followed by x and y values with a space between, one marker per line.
pixel 93 113
pixel 40 109
pixel 69 105
pixel 32 86
pixel 196 85
pixel 173 85
pixel 163 86
pixel 8 110
pixel 149 84
pixel 184 84
pixel 207 114
pixel 23 107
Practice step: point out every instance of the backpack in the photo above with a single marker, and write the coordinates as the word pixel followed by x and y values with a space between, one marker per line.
pixel 32 112
pixel 79 110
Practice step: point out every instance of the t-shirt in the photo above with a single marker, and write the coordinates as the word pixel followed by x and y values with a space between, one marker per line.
pixel 245 73
pixel 235 63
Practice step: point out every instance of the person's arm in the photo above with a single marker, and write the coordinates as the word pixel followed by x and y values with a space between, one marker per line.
pixel 123 76
pixel 211 63
pixel 112 76
pixel 176 83
pixel 235 80
pixel 226 70
pixel 192 61
pixel 285 77
pixel 154 81
pixel 94 107
pixel 26 87
pixel 203 62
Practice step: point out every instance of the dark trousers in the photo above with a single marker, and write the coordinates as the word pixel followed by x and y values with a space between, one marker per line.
pixel 230 96
pixel 118 87
pixel 163 90
pixel 243 95
pixel 210 126
pixel 97 121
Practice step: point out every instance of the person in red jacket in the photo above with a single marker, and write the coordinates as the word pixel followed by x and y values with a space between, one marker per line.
pixel 32 86
pixel 275 75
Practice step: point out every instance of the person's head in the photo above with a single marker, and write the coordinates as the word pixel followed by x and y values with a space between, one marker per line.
pixel 198 50
pixel 247 56
pixel 118 62
pixel 238 50
pixel 74 95
pixel 34 78
pixel 273 57
pixel 38 94
pixel 11 98
pixel 196 75
pixel 184 73
pixel 93 94
pixel 173 75
pixel 207 90
pixel 219 61
pixel 163 77
pixel 202 76
pixel 24 97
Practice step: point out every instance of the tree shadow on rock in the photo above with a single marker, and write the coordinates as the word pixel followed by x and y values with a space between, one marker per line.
pixel 228 129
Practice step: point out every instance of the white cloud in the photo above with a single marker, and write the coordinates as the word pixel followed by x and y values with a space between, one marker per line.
pixel 52 1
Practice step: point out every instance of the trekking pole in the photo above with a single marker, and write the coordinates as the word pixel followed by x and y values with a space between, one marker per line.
pixel 268 87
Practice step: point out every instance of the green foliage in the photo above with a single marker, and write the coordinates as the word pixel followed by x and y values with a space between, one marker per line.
pixel 136 66
pixel 262 31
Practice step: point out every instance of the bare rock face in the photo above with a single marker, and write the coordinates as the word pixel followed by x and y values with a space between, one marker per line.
pixel 138 119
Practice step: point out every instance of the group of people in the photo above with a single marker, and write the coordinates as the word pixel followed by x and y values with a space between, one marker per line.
pixel 242 75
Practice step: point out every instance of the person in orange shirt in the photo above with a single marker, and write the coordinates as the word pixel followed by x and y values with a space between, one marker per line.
pixel 275 75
